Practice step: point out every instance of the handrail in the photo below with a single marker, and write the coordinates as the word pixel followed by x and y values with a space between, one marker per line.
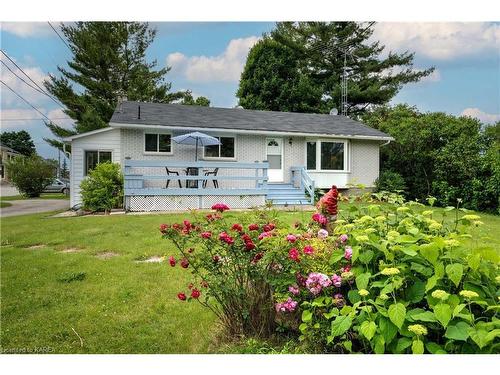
pixel 134 181
pixel 306 182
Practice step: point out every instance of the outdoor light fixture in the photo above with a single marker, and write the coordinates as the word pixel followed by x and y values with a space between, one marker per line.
pixel 290 141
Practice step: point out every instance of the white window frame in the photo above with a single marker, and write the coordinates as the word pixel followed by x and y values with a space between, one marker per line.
pixel 347 155
pixel 221 157
pixel 157 143
pixel 99 150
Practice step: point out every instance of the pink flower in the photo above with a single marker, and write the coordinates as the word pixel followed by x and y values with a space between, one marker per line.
pixel 337 280
pixel 287 306
pixel 195 293
pixel 224 237
pixel 348 252
pixel 308 250
pixel 184 263
pixel 291 238
pixel 264 235
pixel 253 227
pixel 322 233
pixel 206 234
pixel 220 207
pixel 171 260
pixel 294 254
pixel 343 238
pixel 181 296
pixel 237 227
pixel 216 258
pixel 294 289
pixel 316 282
pixel 345 269
pixel 257 257
pixel 268 227
pixel 320 219
pixel 164 227
pixel 249 245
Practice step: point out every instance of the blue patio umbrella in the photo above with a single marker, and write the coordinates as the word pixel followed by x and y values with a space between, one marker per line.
pixel 196 138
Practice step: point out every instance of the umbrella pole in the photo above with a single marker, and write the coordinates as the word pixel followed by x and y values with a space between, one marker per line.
pixel 196 153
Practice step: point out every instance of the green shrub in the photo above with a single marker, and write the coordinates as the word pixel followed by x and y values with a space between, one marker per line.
pixel 390 181
pixel 102 189
pixel 382 278
pixel 30 175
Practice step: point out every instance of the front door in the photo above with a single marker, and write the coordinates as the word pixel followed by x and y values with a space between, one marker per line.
pixel 274 155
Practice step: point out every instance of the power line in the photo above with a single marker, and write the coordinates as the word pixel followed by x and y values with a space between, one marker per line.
pixel 60 37
pixel 32 119
pixel 27 102
pixel 22 79
pixel 18 67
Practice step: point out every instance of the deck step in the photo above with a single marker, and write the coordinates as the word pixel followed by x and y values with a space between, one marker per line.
pixel 290 202
pixel 286 194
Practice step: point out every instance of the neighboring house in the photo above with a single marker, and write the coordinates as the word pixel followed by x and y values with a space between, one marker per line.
pixel 277 156
pixel 6 154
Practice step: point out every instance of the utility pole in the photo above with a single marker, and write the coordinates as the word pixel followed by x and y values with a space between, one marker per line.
pixel 59 163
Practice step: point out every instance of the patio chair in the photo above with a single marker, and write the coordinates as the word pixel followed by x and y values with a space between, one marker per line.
pixel 169 172
pixel 212 173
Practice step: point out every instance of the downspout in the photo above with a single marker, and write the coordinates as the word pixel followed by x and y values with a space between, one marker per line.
pixel 385 143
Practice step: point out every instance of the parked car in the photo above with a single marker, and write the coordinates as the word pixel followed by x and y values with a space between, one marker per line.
pixel 58 186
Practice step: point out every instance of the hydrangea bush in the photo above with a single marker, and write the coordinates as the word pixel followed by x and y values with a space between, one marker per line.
pixel 377 278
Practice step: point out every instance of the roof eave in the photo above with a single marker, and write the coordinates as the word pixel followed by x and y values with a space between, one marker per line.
pixel 248 131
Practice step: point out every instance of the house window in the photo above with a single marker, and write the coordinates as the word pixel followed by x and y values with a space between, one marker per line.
pixel 332 156
pixel 311 155
pixel 92 158
pixel 154 142
pixel 224 150
pixel 326 155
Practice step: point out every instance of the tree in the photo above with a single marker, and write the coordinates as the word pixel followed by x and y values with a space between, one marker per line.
pixel 64 169
pixel 31 174
pixel 441 155
pixel 200 100
pixel 373 79
pixel 108 62
pixel 20 141
pixel 272 80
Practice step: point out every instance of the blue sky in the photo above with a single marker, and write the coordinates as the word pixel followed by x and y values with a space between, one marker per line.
pixel 207 58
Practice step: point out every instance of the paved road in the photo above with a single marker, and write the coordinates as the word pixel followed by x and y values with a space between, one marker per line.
pixel 7 190
pixel 33 206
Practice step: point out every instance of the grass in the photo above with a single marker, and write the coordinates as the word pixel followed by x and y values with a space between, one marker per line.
pixel 4 204
pixel 42 196
pixel 51 298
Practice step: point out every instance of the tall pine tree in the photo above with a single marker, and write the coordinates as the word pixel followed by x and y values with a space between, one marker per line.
pixel 108 62
pixel 373 78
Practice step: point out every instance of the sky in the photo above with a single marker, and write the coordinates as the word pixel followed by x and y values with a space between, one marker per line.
pixel 208 58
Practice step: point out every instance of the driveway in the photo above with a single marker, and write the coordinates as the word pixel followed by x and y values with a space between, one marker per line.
pixel 34 206
pixel 7 190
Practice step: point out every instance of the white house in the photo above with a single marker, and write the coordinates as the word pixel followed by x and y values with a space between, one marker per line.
pixel 264 155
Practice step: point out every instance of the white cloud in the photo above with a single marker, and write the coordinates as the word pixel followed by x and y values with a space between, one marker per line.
pixel 226 67
pixel 26 29
pixel 435 76
pixel 487 118
pixel 31 95
pixel 441 41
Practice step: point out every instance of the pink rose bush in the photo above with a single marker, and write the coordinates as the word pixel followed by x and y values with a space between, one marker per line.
pixel 360 284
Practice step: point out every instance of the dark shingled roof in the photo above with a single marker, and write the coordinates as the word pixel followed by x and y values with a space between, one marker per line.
pixel 239 119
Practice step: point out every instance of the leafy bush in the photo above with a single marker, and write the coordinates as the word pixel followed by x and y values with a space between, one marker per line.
pixel 102 189
pixel 390 181
pixel 381 279
pixel 30 175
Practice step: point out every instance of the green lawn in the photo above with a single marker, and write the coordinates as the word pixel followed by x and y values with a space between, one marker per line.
pixel 42 196
pixel 120 306
pixel 4 204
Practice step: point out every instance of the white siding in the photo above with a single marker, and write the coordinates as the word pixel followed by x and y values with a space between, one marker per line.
pixel 248 149
pixel 365 162
pixel 105 141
